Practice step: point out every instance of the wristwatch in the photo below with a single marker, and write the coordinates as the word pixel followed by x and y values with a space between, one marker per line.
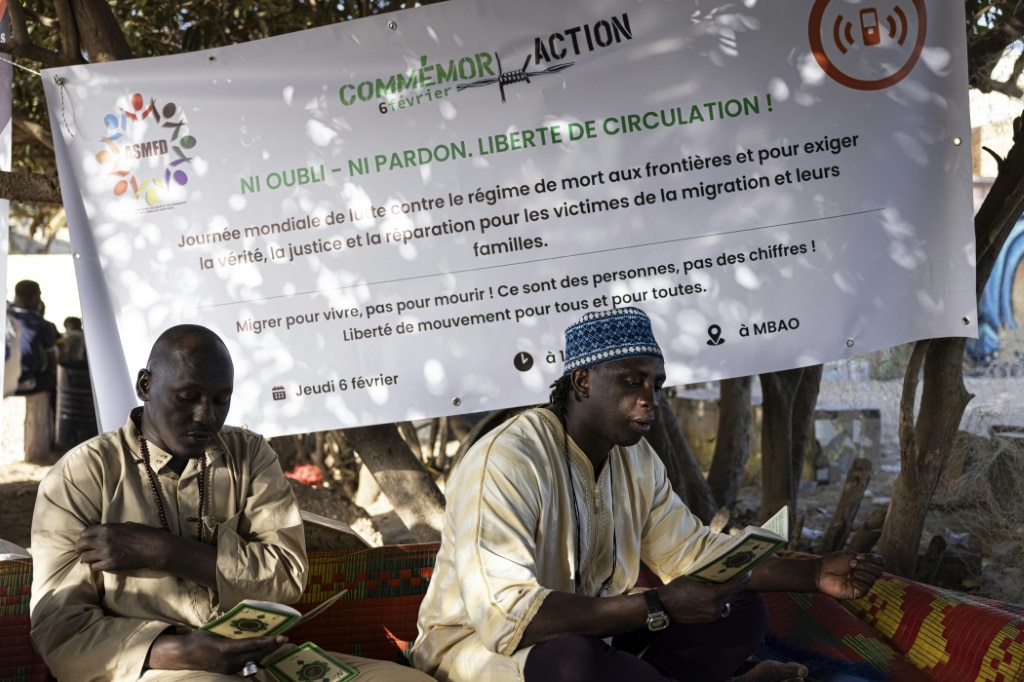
pixel 657 619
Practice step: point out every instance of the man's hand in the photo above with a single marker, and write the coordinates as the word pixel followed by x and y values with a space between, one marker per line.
pixel 121 547
pixel 202 651
pixel 846 575
pixel 690 601
pixel 117 547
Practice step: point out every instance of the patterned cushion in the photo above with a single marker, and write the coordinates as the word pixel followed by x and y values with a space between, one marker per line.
pixel 377 616
pixel 816 630
pixel 900 631
pixel 18 660
pixel 948 635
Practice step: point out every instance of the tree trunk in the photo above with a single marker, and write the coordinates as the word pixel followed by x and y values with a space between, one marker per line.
pixel 924 446
pixel 96 29
pixel 804 406
pixel 778 483
pixel 732 445
pixel 684 472
pixel 849 504
pixel 402 477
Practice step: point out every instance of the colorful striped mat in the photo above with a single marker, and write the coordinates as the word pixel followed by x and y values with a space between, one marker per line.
pixel 901 631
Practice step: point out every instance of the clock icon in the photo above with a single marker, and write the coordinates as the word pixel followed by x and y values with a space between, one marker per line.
pixel 523 361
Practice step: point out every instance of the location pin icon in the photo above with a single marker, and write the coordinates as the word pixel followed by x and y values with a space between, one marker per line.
pixel 715 335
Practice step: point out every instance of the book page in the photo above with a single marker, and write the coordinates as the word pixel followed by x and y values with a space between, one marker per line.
pixel 779 523
pixel 312 613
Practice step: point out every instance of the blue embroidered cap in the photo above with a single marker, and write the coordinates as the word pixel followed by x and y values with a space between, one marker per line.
pixel 607 335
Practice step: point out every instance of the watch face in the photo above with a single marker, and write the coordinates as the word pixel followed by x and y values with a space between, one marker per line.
pixel 657 621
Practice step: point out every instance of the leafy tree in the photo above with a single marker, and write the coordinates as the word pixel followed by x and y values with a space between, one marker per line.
pixel 992 28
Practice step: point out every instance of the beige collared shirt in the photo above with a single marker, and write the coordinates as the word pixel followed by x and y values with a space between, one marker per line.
pixel 510 534
pixel 100 627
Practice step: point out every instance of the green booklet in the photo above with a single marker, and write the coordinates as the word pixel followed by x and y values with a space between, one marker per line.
pixel 252 618
pixel 310 662
pixel 744 551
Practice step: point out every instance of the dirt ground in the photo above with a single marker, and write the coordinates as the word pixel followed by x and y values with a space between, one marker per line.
pixel 962 511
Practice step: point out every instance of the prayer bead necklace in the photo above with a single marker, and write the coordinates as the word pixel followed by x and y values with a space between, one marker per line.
pixel 155 486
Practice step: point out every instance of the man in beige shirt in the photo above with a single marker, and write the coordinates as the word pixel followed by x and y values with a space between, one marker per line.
pixel 143 534
pixel 548 518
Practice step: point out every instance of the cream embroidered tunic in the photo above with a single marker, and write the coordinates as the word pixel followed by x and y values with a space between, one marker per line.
pixel 509 539
pixel 100 627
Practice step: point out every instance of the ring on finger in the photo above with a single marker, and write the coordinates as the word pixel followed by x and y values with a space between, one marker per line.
pixel 726 611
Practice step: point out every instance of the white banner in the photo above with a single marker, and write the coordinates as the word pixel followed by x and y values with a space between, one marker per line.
pixel 396 217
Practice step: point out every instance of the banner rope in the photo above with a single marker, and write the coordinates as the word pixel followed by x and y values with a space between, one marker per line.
pixel 56 79
pixel 60 81
pixel 5 59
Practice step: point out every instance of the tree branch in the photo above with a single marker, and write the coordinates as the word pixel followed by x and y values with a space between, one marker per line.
pixel 29 187
pixel 21 44
pixel 100 31
pixel 71 48
pixel 907 433
pixel 984 52
pixel 33 129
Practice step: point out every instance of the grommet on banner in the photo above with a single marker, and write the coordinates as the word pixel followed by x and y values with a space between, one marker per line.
pixel 393 25
pixel 849 343
pixel 966 320
pixel 456 401
pixel 957 141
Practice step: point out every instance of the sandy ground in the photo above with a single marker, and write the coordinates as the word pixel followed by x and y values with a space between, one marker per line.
pixel 997 401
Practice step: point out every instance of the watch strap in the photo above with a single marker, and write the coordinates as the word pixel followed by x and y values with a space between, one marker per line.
pixel 657 619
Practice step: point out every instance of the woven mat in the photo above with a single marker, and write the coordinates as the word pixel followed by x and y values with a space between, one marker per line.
pixel 901 631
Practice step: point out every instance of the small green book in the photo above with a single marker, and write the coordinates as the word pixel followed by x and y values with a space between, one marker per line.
pixel 744 551
pixel 309 662
pixel 252 618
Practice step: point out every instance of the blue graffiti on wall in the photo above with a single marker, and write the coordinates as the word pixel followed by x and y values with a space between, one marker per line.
pixel 995 309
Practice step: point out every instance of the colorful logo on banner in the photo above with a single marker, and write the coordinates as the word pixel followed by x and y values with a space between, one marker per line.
pixel 146 149
pixel 867 46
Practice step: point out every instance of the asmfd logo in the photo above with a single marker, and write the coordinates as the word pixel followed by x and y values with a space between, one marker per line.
pixel 147 149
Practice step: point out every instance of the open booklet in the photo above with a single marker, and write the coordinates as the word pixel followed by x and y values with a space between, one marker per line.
pixel 743 551
pixel 310 662
pixel 252 618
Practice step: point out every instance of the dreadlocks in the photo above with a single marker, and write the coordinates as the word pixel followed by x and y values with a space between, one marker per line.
pixel 560 395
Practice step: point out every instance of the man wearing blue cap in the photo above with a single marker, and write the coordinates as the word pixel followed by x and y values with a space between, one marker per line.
pixel 548 519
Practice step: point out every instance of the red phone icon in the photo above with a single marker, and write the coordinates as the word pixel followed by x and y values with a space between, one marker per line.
pixel 869 27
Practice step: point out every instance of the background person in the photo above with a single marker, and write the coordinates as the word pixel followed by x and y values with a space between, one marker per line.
pixel 72 342
pixel 12 353
pixel 38 340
